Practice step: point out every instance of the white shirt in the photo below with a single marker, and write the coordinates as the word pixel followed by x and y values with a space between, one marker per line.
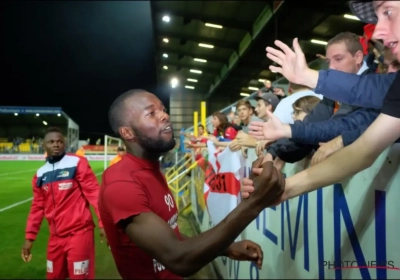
pixel 285 107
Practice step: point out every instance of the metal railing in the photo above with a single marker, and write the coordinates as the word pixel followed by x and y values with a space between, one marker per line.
pixel 179 182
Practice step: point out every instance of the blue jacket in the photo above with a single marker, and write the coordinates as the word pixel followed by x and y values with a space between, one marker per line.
pixel 324 131
pixel 350 136
pixel 359 90
pixel 290 151
pixel 366 90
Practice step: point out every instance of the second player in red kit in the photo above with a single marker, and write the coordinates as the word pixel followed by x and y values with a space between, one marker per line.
pixel 139 213
pixel 63 189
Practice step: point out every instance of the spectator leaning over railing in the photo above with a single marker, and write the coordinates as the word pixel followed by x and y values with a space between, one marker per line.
pixel 390 65
pixel 201 134
pixel 265 102
pixel 344 52
pixel 303 106
pixel 197 143
pixel 246 115
pixel 224 132
pixel 382 132
pixel 233 118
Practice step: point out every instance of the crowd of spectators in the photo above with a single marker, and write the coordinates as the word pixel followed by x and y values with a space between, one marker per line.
pixel 300 123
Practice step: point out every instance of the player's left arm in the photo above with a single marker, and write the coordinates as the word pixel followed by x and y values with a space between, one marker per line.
pixel 230 251
pixel 89 185
pixel 347 161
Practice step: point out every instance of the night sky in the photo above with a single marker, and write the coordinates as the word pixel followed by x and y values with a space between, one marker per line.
pixel 76 55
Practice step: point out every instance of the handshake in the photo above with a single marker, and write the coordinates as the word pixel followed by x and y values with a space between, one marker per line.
pixel 265 185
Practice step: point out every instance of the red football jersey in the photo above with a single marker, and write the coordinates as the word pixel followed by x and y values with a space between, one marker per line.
pixel 131 187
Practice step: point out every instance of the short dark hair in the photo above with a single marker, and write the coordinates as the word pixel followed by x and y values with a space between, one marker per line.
pixel 120 149
pixel 51 130
pixel 351 41
pixel 200 125
pixel 116 113
pixel 244 102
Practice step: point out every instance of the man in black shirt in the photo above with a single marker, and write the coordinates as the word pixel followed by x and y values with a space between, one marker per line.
pixel 391 103
pixel 380 135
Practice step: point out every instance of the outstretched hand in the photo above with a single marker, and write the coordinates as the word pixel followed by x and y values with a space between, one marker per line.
pixel 246 250
pixel 292 64
pixel 271 130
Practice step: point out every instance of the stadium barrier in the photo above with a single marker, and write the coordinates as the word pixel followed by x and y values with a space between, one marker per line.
pixel 179 184
pixel 345 231
pixel 95 149
pixel 42 158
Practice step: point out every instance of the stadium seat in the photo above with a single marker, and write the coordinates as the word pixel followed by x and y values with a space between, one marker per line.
pixel 6 145
pixel 24 147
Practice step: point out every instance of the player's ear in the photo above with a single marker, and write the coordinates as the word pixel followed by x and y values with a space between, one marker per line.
pixel 127 133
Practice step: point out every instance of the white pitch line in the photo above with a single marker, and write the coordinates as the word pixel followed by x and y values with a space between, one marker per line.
pixel 29 199
pixel 18 172
pixel 15 204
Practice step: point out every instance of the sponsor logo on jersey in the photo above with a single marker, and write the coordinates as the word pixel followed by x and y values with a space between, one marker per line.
pixel 64 186
pixel 169 201
pixel 63 174
pixel 81 268
pixel 49 266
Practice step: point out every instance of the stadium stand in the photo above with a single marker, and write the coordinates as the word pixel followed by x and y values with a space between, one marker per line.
pixel 22 127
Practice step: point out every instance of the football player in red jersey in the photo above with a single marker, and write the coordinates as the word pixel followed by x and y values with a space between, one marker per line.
pixel 140 215
pixel 63 188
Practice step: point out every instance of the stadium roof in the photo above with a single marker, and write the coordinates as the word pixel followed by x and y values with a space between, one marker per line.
pixel 19 115
pixel 29 110
pixel 236 60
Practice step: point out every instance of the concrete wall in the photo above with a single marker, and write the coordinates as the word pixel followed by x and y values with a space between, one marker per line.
pixel 182 105
pixel 217 103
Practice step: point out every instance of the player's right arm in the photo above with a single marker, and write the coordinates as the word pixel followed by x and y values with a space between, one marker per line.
pixel 185 257
pixel 35 218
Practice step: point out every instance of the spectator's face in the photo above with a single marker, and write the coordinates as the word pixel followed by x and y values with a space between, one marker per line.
pixel 121 153
pixel 201 130
pixel 339 58
pixel 388 26
pixel 244 112
pixel 298 114
pixel 262 108
pixel 215 122
pixel 267 84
